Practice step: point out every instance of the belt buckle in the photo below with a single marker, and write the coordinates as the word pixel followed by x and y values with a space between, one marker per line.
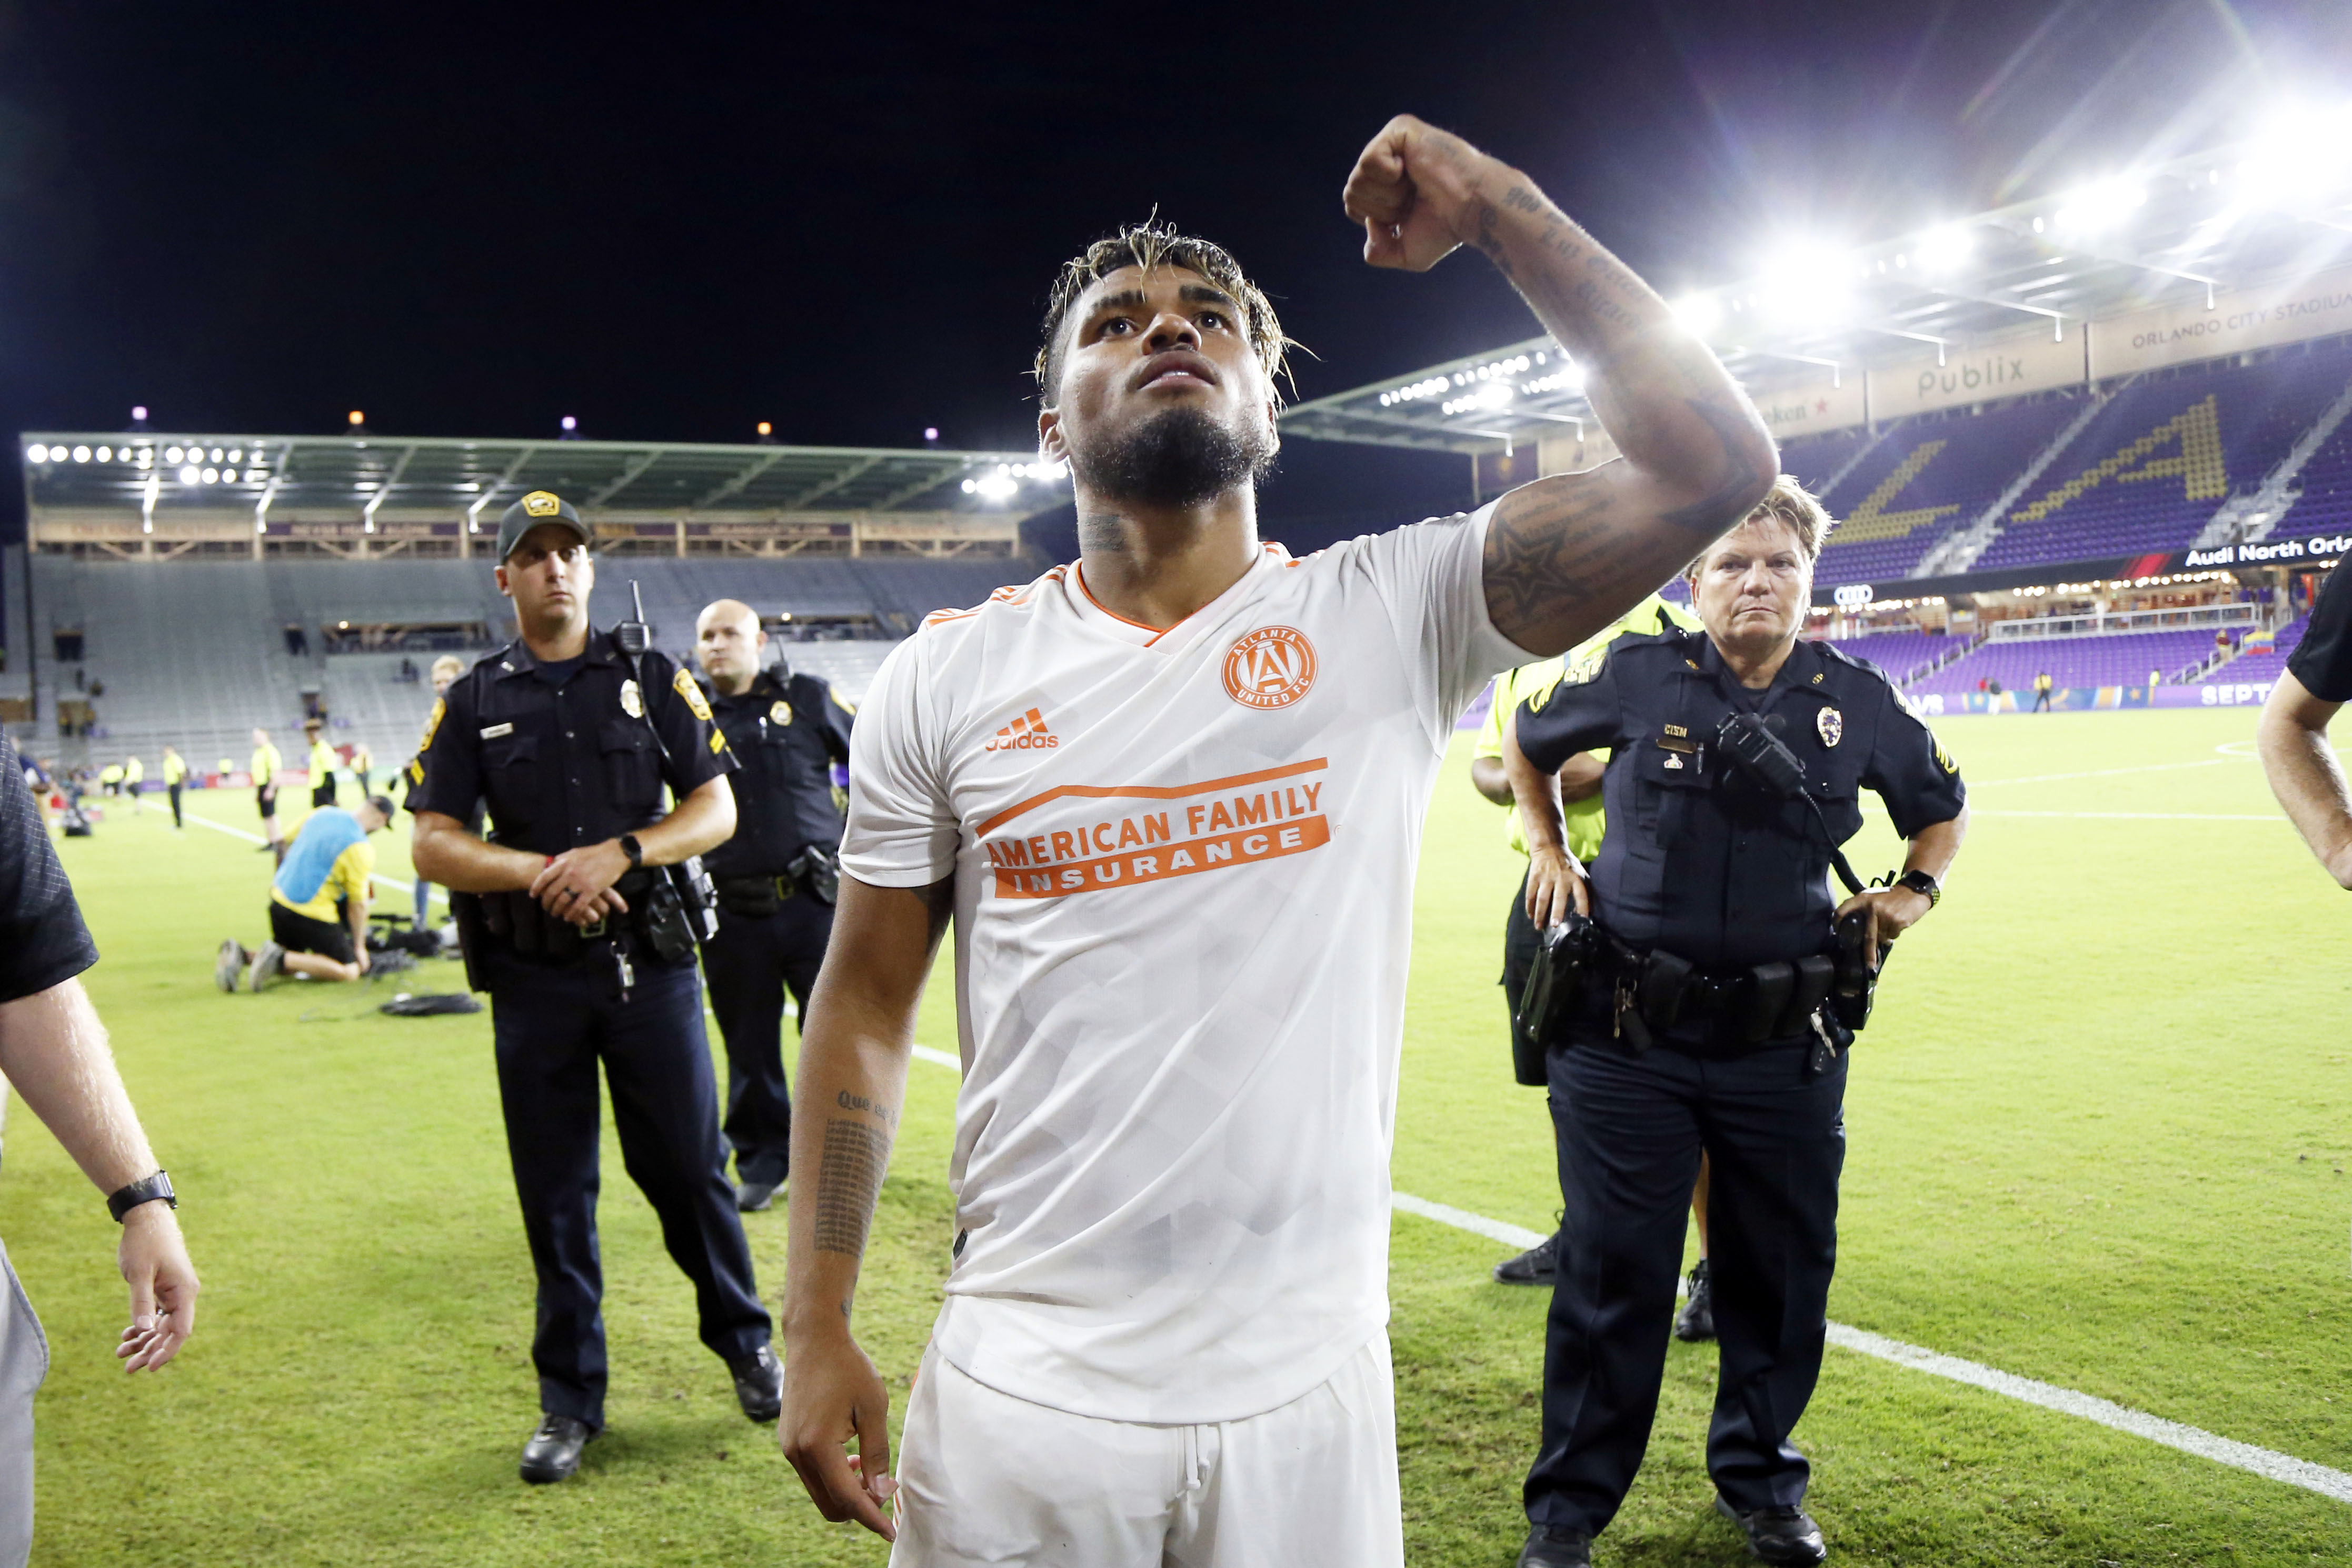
pixel 784 888
pixel 589 933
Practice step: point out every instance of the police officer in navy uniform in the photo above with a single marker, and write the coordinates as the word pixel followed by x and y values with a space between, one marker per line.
pixel 776 877
pixel 575 918
pixel 1712 1013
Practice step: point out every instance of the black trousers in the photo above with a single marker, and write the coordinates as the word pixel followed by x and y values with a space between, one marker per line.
pixel 322 794
pixel 751 964
pixel 1521 942
pixel 553 1025
pixel 1630 1131
pixel 174 789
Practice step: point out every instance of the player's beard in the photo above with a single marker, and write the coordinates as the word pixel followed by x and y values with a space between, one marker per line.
pixel 1179 457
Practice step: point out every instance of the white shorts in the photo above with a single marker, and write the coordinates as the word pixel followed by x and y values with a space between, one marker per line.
pixel 985 1478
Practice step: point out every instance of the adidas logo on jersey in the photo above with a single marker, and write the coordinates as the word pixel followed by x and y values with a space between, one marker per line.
pixel 1027 733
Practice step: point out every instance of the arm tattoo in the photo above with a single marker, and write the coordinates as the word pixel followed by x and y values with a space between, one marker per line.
pixel 1719 508
pixel 848 1182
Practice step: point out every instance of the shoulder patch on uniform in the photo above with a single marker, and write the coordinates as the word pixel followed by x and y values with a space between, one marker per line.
pixel 684 686
pixel 1584 674
pixel 433 723
pixel 843 703
pixel 1944 759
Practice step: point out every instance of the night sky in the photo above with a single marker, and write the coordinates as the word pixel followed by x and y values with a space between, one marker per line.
pixel 473 222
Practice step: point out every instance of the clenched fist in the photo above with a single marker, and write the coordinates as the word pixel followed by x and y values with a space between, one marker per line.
pixel 1420 193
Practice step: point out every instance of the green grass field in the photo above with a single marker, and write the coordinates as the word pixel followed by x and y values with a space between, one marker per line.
pixel 2098 1136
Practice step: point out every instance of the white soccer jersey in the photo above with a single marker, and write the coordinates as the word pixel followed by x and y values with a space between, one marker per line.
pixel 1184 867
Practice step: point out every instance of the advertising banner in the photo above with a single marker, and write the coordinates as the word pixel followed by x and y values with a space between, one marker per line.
pixel 2027 363
pixel 1806 410
pixel 2257 317
pixel 2284 551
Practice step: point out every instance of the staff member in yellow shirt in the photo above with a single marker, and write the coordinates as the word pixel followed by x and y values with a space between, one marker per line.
pixel 330 864
pixel 267 765
pixel 1494 769
pixel 134 774
pixel 175 775
pixel 323 763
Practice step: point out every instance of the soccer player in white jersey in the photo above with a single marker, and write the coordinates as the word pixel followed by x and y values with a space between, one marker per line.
pixel 1171 797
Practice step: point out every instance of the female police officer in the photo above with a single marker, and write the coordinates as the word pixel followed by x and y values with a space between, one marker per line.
pixel 1701 1021
pixel 562 913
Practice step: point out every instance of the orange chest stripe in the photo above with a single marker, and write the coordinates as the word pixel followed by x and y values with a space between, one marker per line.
pixel 1143 791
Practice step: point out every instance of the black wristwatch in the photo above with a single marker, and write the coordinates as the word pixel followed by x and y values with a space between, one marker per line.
pixel 147 1189
pixel 634 850
pixel 1921 882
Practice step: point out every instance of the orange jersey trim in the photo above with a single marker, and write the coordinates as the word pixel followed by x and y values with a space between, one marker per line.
pixel 1143 791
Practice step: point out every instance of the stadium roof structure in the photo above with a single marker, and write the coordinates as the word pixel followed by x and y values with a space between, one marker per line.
pixel 364 474
pixel 2185 232
pixel 361 483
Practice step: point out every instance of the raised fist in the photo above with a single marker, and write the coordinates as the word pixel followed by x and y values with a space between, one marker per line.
pixel 1417 190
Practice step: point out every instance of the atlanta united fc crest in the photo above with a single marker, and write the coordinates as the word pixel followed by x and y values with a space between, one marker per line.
pixel 1272 667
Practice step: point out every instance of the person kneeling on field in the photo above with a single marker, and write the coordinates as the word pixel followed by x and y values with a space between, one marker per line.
pixel 330 865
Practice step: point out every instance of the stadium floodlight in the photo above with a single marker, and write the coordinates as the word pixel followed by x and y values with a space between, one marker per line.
pixel 170 455
pixel 1806 284
pixel 1701 313
pixel 236 454
pixel 36 453
pixel 190 476
pixel 2298 156
pixel 358 418
pixel 212 476
pixel 81 455
pixel 766 428
pixel 139 413
pixel 216 455
pixel 146 457
pixel 2106 204
pixel 569 422
pixel 995 487
pixel 106 454
pixel 1945 250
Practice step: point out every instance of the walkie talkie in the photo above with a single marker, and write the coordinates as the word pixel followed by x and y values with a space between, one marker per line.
pixel 633 637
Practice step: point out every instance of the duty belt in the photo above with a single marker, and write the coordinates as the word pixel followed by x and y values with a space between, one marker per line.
pixel 1653 992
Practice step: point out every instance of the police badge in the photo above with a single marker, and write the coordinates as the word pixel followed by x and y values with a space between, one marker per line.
pixel 1832 724
pixel 780 712
pixel 632 701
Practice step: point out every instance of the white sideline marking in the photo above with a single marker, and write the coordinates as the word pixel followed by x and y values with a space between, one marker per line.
pixel 1462 1219
pixel 2066 1402
pixel 2263 1462
pixel 203 821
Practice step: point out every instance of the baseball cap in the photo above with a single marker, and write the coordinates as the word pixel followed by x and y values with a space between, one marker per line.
pixel 539 506
pixel 383 807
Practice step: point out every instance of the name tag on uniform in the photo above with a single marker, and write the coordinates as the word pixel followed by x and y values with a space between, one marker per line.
pixel 496 730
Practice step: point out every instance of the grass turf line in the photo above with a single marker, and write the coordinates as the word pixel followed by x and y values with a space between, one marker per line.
pixel 2074 1140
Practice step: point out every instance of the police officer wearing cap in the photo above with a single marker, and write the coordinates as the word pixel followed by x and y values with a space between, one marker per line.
pixel 576 918
pixel 776 878
pixel 1711 1006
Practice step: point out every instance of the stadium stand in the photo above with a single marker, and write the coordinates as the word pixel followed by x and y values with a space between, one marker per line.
pixel 196 652
pixel 1925 478
pixel 2119 660
pixel 2326 480
pixel 2265 666
pixel 2152 468
pixel 1899 654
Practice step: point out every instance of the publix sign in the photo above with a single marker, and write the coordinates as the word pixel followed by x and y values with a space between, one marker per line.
pixel 2317 547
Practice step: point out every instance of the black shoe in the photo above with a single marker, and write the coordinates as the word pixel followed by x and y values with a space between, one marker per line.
pixel 553 1451
pixel 1777 1535
pixel 1550 1548
pixel 750 1197
pixel 759 1383
pixel 1697 1320
pixel 1532 1267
